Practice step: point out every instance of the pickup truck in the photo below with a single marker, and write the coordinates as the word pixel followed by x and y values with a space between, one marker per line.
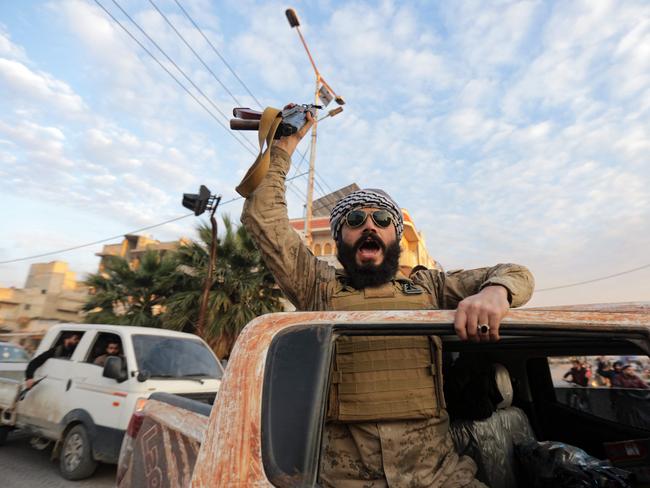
pixel 85 407
pixel 266 426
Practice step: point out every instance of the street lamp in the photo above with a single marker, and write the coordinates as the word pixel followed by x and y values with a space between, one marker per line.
pixel 325 94
pixel 199 203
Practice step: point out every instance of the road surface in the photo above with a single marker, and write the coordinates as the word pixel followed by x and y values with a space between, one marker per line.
pixel 23 466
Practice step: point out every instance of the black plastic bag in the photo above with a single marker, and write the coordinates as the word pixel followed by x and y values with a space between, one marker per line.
pixel 471 391
pixel 554 464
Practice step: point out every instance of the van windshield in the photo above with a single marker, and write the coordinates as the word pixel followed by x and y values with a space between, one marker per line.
pixel 173 357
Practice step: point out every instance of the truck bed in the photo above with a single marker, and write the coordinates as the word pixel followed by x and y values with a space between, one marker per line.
pixel 167 440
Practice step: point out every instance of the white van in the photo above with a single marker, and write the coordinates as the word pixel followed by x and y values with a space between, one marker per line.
pixel 85 407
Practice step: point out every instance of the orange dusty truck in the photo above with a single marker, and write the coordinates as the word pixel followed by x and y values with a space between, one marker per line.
pixel 265 427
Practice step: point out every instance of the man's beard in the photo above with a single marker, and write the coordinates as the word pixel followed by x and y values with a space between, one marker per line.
pixel 367 275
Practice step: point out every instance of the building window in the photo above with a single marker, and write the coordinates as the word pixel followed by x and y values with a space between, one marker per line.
pixel 328 249
pixel 27 306
pixel 317 250
pixel 43 292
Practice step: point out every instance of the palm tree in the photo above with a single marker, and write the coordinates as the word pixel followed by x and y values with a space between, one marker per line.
pixel 131 296
pixel 242 287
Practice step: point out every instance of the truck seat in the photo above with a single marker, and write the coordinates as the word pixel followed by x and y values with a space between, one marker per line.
pixel 491 442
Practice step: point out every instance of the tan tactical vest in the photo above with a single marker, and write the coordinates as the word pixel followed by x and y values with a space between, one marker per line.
pixel 399 294
pixel 378 378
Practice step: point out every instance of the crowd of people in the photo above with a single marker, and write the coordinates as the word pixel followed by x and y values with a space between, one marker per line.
pixel 605 372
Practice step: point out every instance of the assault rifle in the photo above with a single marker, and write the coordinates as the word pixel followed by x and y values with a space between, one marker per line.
pixel 292 118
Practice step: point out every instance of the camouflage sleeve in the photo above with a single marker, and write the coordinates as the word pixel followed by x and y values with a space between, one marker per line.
pixel 296 270
pixel 455 286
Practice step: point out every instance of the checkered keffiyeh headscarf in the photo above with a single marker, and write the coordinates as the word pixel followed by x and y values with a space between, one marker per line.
pixel 362 199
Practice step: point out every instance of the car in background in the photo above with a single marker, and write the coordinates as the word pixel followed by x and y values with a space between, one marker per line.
pixel 13 361
pixel 83 403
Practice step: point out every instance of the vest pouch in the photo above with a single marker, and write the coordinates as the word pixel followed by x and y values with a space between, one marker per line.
pixel 389 296
pixel 379 378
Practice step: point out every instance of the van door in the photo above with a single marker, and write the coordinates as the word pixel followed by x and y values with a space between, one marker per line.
pixel 102 398
pixel 43 407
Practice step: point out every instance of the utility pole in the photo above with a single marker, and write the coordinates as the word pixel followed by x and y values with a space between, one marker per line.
pixel 199 203
pixel 325 94
pixel 312 161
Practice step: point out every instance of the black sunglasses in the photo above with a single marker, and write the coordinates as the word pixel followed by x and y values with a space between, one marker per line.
pixel 356 218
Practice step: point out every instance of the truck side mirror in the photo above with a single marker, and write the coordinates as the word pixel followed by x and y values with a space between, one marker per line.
pixel 115 368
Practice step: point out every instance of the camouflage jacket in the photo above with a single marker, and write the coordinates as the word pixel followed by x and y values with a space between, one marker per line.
pixel 304 278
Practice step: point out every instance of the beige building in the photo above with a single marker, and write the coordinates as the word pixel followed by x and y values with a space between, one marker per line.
pixel 51 295
pixel 414 250
pixel 133 247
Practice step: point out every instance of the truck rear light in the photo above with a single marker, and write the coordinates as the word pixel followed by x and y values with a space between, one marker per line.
pixel 137 418
pixel 134 424
pixel 139 404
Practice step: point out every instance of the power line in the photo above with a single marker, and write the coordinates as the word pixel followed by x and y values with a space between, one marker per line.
pixel 316 174
pixel 217 53
pixel 168 72
pixel 194 52
pixel 296 191
pixel 142 229
pixel 303 154
pixel 595 279
pixel 194 84
pixel 291 186
pixel 60 251
pixel 320 188
pixel 196 87
pixel 228 66
pixel 324 182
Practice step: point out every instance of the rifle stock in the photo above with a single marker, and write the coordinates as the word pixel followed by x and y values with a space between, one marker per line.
pixel 241 124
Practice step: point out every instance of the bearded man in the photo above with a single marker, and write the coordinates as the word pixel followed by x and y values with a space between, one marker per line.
pixel 402 440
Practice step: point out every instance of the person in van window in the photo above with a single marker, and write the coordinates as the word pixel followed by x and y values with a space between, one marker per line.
pixel 112 349
pixel 63 350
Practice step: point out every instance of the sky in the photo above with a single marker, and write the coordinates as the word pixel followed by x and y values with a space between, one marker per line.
pixel 512 131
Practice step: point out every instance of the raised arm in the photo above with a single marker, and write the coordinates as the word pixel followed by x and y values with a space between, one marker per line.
pixel 297 271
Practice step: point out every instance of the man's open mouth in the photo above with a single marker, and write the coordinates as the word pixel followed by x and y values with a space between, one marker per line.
pixel 369 248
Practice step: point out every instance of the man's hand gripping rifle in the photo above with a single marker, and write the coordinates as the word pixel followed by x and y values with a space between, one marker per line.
pixel 287 126
pixel 293 118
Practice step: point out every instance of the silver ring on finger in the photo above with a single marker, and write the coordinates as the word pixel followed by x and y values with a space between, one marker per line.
pixel 484 328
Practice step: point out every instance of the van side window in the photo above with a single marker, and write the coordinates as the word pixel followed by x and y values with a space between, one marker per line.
pixel 615 388
pixel 106 345
pixel 66 343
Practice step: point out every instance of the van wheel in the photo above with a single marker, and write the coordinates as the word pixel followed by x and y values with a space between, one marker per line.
pixel 76 461
pixel 4 432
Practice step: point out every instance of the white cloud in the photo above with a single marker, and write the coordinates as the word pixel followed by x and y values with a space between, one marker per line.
pixel 42 144
pixel 19 80
pixel 491 34
pixel 10 50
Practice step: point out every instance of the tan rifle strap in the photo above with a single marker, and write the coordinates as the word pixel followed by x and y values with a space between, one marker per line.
pixel 271 118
